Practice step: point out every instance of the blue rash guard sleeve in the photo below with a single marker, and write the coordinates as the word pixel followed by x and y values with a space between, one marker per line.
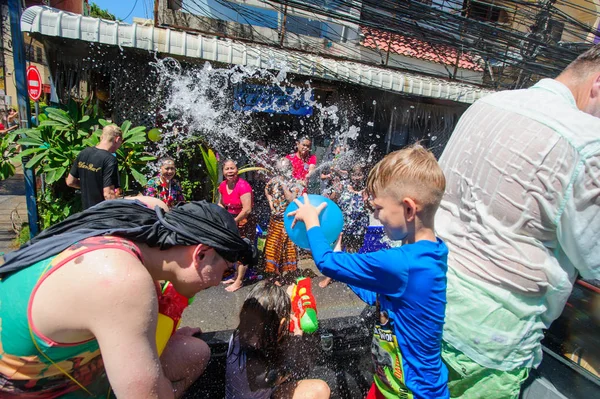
pixel 368 297
pixel 382 272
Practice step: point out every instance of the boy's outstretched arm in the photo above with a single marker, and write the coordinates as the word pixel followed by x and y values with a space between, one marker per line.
pixel 383 272
pixel 368 297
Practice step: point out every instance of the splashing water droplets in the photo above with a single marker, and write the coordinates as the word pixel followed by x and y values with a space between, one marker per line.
pixel 199 101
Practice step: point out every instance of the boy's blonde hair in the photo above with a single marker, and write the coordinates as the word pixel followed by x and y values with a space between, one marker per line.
pixel 110 132
pixel 411 172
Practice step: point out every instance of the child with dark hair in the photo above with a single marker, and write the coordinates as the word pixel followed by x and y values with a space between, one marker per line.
pixel 258 365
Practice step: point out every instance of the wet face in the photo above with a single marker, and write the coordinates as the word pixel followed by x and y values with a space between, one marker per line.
pixel 284 168
pixel 167 170
pixel 230 171
pixel 391 213
pixel 206 271
pixel 357 177
pixel 212 268
pixel 303 147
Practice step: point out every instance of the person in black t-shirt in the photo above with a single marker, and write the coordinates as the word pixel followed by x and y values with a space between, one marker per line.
pixel 95 169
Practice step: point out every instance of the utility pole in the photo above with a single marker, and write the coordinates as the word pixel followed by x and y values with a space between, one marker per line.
pixel 536 39
pixel 156 13
pixel 14 7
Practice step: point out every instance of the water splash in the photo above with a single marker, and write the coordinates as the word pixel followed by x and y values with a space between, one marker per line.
pixel 198 101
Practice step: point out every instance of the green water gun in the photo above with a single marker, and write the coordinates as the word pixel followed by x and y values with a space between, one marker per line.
pixel 304 306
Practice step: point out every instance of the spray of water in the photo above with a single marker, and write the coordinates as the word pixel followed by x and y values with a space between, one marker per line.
pixel 198 102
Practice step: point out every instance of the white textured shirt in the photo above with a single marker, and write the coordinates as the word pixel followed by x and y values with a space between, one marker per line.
pixel 521 216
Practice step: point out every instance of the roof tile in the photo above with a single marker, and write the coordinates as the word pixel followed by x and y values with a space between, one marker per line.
pixel 411 47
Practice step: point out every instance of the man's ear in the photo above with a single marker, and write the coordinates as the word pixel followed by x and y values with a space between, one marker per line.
pixel 595 89
pixel 200 252
pixel 410 209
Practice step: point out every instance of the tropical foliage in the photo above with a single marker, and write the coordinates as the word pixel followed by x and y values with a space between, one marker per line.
pixel 131 155
pixel 51 149
pixel 97 12
pixel 212 168
pixel 55 143
pixel 9 151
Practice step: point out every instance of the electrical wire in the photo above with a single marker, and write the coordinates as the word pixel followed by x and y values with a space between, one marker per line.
pixel 527 47
pixel 132 9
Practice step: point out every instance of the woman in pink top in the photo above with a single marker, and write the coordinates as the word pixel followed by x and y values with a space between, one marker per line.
pixel 236 196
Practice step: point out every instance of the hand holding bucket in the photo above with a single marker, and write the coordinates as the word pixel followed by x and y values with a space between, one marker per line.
pixel 330 217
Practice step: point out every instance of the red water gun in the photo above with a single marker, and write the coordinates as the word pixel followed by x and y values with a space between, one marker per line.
pixel 304 306
pixel 171 305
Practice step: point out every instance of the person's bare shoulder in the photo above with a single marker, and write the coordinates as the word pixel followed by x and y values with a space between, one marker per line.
pixel 116 272
pixel 90 290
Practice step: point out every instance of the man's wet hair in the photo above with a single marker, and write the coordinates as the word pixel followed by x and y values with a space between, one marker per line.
pixel 586 63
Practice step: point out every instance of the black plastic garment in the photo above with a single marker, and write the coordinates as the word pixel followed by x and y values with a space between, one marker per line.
pixel 193 223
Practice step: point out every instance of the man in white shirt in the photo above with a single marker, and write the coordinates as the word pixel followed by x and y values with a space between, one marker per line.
pixel 521 218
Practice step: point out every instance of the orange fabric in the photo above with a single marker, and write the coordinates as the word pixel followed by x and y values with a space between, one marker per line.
pixel 280 252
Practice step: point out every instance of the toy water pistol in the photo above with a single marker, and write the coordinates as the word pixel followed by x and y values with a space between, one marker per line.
pixel 304 306
pixel 171 305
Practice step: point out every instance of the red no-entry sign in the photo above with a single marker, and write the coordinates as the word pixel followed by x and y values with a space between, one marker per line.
pixel 34 83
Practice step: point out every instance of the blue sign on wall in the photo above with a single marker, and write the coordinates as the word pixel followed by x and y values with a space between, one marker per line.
pixel 273 99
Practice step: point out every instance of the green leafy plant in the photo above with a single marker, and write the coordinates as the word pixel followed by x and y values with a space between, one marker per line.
pixel 190 188
pixel 52 147
pixel 191 171
pixel 8 150
pixel 97 12
pixel 56 204
pixel 22 237
pixel 212 168
pixel 131 156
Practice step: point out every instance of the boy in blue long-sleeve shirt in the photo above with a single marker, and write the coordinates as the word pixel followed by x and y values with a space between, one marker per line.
pixel 407 283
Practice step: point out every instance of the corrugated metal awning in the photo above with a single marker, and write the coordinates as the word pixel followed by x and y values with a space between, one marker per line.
pixel 52 22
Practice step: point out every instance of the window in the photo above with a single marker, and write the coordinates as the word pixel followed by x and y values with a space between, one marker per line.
pixel 174 5
pixel 303 26
pixel 39 55
pixel 482 11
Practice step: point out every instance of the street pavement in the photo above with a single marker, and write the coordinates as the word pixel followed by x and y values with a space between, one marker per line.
pixel 12 199
pixel 215 309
